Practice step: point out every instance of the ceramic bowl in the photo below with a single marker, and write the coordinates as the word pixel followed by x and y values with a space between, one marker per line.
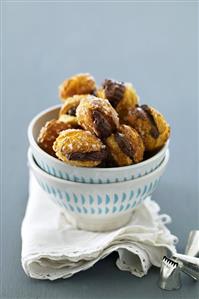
pixel 98 207
pixel 67 172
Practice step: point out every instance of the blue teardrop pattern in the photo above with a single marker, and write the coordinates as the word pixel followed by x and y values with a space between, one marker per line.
pixel 75 198
pixel 75 179
pixel 71 207
pixel 128 206
pixel 54 191
pixel 60 202
pixel 78 209
pixel 91 199
pixel 67 196
pixel 88 199
pixel 114 209
pixel 144 190
pixel 85 210
pixel 65 205
pixel 106 210
pixel 131 195
pixel 134 204
pixel 121 208
pixel 150 186
pixel 44 187
pixel 107 200
pixel 59 194
pixel 123 196
pixel 82 180
pixel 83 199
pixel 48 188
pixel 99 200
pixel 67 176
pixel 155 184
pixel 138 193
pixel 116 198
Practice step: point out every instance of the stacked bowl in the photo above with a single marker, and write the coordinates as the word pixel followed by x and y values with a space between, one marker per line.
pixel 96 199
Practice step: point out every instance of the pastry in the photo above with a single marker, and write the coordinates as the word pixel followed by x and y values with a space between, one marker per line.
pixel 126 146
pixel 49 133
pixel 67 112
pixel 70 105
pixel 151 125
pixel 70 120
pixel 79 148
pixel 97 116
pixel 77 85
pixel 122 96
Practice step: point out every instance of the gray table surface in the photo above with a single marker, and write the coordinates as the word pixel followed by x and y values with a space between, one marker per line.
pixel 153 45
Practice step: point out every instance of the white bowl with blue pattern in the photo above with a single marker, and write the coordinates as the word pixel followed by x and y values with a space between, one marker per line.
pixel 67 172
pixel 98 207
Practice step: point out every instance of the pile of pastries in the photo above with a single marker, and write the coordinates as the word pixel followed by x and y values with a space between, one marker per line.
pixel 102 126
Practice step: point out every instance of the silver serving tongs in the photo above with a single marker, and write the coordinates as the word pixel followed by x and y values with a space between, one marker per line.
pixel 171 267
pixel 188 264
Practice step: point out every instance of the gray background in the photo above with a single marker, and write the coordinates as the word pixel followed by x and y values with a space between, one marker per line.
pixel 153 45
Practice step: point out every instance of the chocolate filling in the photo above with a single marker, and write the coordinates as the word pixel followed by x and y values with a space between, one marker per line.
pixel 72 111
pixel 89 156
pixel 102 124
pixel 114 91
pixel 124 145
pixel 154 129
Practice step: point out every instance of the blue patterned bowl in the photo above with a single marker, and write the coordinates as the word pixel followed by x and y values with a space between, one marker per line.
pixel 67 172
pixel 98 207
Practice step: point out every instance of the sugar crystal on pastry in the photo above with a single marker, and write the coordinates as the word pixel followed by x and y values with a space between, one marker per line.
pixel 97 116
pixel 125 146
pixel 79 148
pixel 151 125
pixel 76 85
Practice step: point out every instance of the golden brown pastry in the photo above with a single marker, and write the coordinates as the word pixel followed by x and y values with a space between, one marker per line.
pixel 49 133
pixel 126 146
pixel 122 96
pixel 70 105
pixel 70 120
pixel 151 126
pixel 77 84
pixel 79 148
pixel 67 112
pixel 97 116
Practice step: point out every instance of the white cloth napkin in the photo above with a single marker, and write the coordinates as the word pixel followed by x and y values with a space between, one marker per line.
pixel 52 248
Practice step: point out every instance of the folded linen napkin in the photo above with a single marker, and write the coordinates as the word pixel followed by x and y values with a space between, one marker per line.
pixel 52 248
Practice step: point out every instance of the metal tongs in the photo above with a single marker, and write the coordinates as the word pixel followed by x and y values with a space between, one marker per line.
pixel 171 268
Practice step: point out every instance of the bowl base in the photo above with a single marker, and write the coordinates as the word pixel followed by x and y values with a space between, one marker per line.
pixel 98 224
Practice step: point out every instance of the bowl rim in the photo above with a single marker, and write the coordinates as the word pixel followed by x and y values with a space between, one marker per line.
pixel 35 167
pixel 33 143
